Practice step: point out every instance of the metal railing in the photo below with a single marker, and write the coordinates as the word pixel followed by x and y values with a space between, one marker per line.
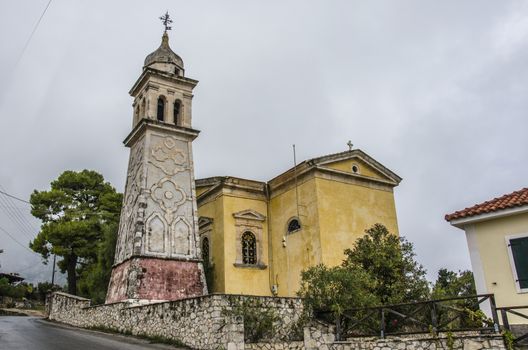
pixel 514 310
pixel 431 316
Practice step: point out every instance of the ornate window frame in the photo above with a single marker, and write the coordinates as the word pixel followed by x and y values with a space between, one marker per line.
pixel 249 221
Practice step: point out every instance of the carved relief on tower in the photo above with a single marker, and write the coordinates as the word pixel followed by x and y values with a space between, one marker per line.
pixel 167 157
pixel 156 228
pixel 169 196
pixel 169 193
pixel 132 208
pixel 181 237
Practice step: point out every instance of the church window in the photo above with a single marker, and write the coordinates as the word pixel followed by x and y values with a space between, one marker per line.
pixel 161 109
pixel 294 225
pixel 177 109
pixel 205 250
pixel 249 248
pixel 355 169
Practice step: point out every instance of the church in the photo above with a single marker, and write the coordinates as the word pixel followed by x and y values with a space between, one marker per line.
pixel 249 237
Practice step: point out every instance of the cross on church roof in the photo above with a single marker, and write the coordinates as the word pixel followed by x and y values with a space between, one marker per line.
pixel 166 20
pixel 350 145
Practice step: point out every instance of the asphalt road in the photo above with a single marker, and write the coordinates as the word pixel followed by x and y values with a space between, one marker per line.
pixel 31 333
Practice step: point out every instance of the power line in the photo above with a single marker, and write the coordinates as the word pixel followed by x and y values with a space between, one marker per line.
pixel 17 216
pixel 16 219
pixel 33 32
pixel 11 196
pixel 14 239
pixel 17 210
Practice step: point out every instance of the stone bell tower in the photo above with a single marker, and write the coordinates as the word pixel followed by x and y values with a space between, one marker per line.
pixel 157 253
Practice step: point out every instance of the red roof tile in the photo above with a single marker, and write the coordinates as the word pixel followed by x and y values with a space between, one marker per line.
pixel 512 200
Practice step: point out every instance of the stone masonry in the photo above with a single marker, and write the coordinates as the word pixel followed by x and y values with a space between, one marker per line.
pixel 206 323
pixel 200 323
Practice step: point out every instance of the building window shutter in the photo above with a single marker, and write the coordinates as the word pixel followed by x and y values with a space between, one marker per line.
pixel 519 250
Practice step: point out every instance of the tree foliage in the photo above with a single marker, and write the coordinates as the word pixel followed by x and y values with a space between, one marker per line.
pixel 390 262
pixel 335 289
pixel 14 291
pixel 75 213
pixel 453 284
pixel 379 269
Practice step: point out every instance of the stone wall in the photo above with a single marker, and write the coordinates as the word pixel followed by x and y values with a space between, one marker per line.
pixel 208 322
pixel 205 322
pixel 294 345
pixel 318 336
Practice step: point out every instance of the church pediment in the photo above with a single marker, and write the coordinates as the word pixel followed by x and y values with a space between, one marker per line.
pixel 204 221
pixel 357 163
pixel 249 214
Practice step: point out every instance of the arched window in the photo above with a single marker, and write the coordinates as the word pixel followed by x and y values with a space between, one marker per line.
pixel 177 110
pixel 161 109
pixel 205 250
pixel 294 225
pixel 249 248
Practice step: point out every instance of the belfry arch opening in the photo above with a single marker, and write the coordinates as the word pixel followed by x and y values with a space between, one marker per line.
pixel 161 109
pixel 177 109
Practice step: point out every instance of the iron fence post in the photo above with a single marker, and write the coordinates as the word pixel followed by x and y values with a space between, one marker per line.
pixel 505 321
pixel 382 323
pixel 338 327
pixel 494 314
pixel 434 319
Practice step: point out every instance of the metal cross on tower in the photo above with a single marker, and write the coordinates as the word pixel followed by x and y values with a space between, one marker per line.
pixel 350 145
pixel 166 20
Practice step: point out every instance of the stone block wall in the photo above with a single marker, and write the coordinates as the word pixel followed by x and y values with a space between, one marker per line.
pixel 318 336
pixel 202 323
pixel 294 345
pixel 207 323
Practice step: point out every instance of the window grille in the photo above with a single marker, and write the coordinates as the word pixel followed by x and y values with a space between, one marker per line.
pixel 249 248
pixel 205 249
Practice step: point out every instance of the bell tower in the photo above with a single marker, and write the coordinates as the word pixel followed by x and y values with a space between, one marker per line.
pixel 157 253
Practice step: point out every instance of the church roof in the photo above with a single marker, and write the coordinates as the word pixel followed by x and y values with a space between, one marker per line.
pixel 329 158
pixel 164 54
pixel 507 201
pixel 386 176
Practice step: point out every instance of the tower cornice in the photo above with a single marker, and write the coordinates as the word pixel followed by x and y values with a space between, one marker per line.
pixel 149 72
pixel 145 124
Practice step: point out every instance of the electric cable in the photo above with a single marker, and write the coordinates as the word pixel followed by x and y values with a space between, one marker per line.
pixel 14 239
pixel 32 33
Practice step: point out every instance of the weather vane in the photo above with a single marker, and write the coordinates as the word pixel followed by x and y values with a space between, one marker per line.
pixel 166 20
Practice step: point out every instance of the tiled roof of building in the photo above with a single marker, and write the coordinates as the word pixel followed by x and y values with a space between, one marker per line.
pixel 512 200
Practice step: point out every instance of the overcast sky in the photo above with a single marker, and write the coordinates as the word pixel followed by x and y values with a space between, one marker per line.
pixel 434 90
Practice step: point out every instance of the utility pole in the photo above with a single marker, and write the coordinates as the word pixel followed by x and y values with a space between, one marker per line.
pixel 53 273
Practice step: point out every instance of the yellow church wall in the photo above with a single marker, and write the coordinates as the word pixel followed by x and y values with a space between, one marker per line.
pixel 214 210
pixel 244 280
pixel 302 247
pixel 346 210
pixel 495 261
pixel 346 166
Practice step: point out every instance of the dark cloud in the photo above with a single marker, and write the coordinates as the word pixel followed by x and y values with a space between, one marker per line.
pixel 433 90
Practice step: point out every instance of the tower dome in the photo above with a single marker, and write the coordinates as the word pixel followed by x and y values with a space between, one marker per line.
pixel 164 58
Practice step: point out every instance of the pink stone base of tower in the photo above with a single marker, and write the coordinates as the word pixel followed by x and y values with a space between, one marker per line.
pixel 155 279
